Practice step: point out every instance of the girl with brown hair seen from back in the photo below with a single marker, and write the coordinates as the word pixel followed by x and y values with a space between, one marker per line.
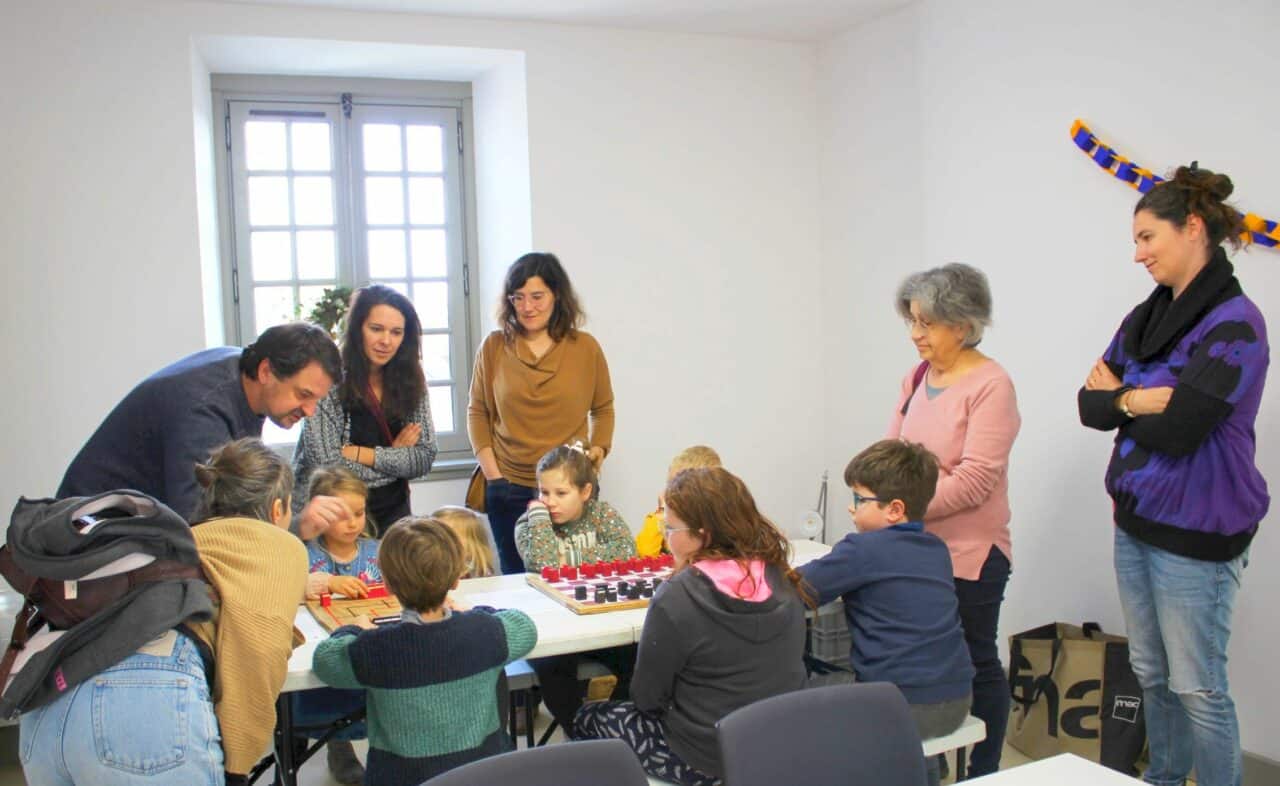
pixel 726 630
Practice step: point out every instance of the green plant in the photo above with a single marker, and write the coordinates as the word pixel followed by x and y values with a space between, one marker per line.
pixel 330 309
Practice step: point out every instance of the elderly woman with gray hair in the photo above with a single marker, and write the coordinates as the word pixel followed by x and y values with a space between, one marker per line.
pixel 960 404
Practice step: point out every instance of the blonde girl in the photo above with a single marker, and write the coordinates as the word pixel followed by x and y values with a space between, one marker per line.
pixel 477 541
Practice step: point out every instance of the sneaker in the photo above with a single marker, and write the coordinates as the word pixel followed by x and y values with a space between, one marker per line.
pixel 343 764
pixel 601 688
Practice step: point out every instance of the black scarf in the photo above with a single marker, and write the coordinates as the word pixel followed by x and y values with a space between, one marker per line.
pixel 1159 322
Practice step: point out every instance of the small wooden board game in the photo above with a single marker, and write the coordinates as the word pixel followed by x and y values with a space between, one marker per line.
pixel 607 585
pixel 334 612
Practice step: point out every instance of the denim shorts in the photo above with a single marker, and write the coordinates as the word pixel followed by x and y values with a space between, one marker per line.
pixel 148 719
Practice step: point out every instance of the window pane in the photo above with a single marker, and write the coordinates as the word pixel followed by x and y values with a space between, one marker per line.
pixel 398 286
pixel 307 299
pixel 269 252
pixel 441 397
pixel 264 145
pixel 316 254
pixel 272 306
pixel 426 200
pixel 431 300
pixel 381 148
pixel 268 201
pixel 311 146
pixel 428 253
pixel 426 143
pixel 386 253
pixel 435 356
pixel 384 200
pixel 313 201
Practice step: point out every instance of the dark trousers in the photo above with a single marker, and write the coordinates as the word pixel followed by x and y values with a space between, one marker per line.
pixel 504 502
pixel 980 617
pixel 563 692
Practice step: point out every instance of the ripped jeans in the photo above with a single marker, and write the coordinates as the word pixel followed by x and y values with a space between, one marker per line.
pixel 1178 614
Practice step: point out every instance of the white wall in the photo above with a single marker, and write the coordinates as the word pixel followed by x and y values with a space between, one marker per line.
pixel 945 131
pixel 676 175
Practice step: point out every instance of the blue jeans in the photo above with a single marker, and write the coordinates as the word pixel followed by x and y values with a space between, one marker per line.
pixel 1178 614
pixel 505 502
pixel 146 721
pixel 980 617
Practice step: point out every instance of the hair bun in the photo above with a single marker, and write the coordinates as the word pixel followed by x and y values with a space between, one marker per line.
pixel 206 474
pixel 1196 178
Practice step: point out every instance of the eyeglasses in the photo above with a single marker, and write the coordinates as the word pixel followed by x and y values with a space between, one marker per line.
pixel 858 499
pixel 538 300
pixel 668 529
pixel 915 322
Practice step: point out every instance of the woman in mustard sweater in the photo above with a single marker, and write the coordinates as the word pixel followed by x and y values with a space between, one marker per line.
pixel 258 572
pixel 539 382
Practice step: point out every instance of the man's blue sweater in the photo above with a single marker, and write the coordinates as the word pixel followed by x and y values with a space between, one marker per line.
pixel 900 603
pixel 153 438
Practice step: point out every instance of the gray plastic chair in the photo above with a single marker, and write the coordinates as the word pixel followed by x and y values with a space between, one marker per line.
pixel 838 735
pixel 587 763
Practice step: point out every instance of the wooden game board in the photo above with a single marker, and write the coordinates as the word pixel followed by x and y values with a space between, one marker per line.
pixel 562 591
pixel 343 611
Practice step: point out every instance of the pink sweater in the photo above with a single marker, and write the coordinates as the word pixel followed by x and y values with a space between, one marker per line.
pixel 970 426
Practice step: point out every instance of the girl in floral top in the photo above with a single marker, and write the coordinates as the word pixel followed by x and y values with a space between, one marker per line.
pixel 566 525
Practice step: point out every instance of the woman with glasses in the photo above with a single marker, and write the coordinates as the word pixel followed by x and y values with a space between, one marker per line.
pixel 960 404
pixel 538 382
pixel 1181 384
pixel 377 421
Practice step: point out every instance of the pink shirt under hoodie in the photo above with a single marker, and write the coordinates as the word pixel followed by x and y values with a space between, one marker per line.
pixel 970 426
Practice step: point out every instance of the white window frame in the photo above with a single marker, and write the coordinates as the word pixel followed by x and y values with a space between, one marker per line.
pixel 345 102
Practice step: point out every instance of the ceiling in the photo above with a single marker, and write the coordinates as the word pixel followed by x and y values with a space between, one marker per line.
pixel 787 20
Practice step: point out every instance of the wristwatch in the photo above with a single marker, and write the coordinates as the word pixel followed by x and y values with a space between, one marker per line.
pixel 1120 401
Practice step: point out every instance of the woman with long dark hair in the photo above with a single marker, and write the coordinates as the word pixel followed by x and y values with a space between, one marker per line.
pixel 377 421
pixel 539 382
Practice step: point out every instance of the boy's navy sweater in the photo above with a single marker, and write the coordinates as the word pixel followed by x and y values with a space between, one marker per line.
pixel 431 688
pixel 900 604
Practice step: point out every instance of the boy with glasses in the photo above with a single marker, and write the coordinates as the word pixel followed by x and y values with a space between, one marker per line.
pixel 896 583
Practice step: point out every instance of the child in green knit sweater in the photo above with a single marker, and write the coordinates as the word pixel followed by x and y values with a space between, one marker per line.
pixel 428 712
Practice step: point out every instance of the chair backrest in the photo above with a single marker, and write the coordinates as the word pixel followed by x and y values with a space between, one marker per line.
pixel 586 763
pixel 838 734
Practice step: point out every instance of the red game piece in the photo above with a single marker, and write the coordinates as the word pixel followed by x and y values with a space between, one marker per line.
pixel 635 565
pixel 650 563
pixel 550 574
pixel 604 568
pixel 619 566
pixel 326 600
pixel 568 572
pixel 588 571
pixel 377 591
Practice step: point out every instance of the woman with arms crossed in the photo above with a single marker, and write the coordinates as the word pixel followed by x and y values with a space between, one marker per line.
pixel 1181 382
pixel 377 421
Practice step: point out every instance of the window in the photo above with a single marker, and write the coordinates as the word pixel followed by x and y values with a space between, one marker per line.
pixel 348 190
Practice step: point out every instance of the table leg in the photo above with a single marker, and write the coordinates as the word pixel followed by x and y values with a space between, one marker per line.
pixel 286 767
pixel 960 762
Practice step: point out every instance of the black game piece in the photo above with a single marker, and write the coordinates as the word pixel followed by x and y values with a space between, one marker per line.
pixel 580 592
pixel 612 596
pixel 647 592
pixel 623 587
pixel 602 594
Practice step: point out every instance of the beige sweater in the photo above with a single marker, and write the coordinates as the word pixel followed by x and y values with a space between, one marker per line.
pixel 523 407
pixel 260 574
